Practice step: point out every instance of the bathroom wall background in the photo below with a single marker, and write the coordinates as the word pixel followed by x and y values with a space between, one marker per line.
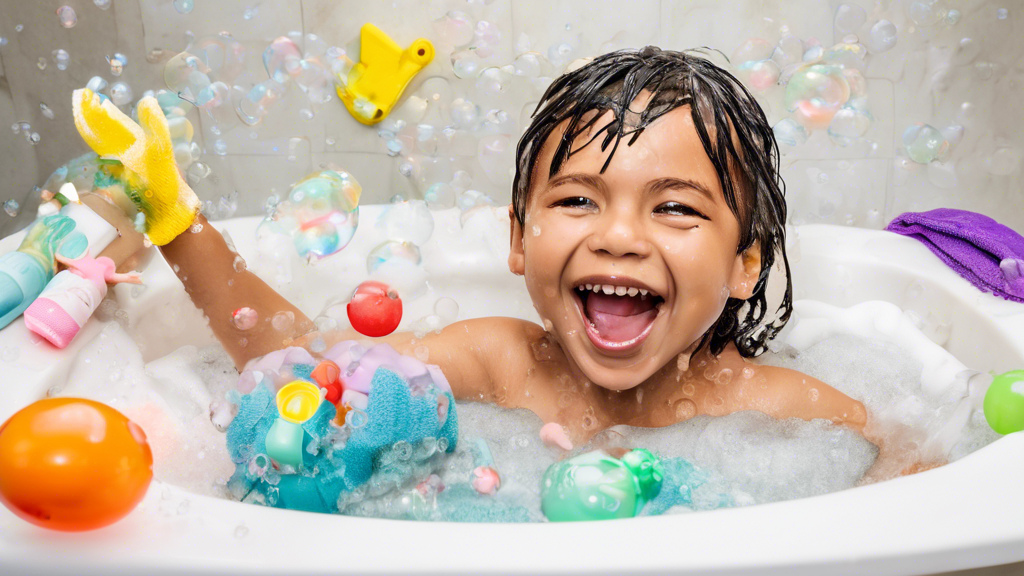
pixel 956 65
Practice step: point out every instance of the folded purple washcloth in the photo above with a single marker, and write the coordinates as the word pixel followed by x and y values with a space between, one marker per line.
pixel 986 253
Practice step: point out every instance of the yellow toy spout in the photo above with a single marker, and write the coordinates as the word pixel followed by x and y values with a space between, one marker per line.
pixel 372 87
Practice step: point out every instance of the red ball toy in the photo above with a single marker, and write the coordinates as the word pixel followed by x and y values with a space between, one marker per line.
pixel 375 309
pixel 72 464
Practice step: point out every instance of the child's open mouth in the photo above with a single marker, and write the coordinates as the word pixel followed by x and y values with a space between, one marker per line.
pixel 617 318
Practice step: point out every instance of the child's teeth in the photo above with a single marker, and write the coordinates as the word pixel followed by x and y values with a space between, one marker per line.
pixel 608 289
pixel 643 292
pixel 620 290
pixel 590 286
pixel 631 291
pixel 597 287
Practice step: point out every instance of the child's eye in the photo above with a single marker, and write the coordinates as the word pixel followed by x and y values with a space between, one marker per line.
pixel 576 202
pixel 677 209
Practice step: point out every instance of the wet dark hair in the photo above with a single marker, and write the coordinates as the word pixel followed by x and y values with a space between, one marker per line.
pixel 722 111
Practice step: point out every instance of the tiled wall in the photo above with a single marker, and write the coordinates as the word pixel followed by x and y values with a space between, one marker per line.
pixel 932 75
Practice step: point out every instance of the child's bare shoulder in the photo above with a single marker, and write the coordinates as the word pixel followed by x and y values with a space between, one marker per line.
pixel 798 395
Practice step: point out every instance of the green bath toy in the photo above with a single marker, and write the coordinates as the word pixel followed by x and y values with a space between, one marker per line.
pixel 596 486
pixel 1004 402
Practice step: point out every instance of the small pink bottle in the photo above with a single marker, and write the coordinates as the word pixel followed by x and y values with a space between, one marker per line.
pixel 71 297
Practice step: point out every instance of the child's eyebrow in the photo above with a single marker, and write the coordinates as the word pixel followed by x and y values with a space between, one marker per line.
pixel 652 187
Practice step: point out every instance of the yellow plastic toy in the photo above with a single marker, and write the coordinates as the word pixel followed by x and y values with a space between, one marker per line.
pixel 297 402
pixel 372 87
pixel 149 173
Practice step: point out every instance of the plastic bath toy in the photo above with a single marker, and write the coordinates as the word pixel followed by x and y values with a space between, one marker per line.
pixel 296 403
pixel 375 309
pixel 1004 402
pixel 596 486
pixel 372 87
pixel 25 271
pixel 72 464
pixel 70 299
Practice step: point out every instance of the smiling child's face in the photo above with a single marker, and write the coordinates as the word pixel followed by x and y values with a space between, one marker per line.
pixel 629 268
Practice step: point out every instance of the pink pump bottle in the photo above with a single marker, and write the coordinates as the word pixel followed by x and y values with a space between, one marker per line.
pixel 71 297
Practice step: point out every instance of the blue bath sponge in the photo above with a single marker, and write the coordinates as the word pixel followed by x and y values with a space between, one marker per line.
pixel 393 415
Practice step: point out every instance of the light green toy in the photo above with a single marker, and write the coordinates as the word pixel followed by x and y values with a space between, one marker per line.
pixel 597 486
pixel 297 402
pixel 1004 402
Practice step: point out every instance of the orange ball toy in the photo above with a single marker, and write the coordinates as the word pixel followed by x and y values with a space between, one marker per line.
pixel 72 464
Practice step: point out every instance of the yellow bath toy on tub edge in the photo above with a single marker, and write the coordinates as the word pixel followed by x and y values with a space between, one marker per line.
pixel 372 87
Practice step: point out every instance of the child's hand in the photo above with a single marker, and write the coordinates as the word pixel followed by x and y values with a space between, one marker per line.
pixel 151 177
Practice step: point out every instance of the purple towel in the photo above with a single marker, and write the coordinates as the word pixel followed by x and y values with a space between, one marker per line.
pixel 986 253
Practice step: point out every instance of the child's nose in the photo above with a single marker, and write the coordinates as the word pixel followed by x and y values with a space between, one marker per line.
pixel 619 234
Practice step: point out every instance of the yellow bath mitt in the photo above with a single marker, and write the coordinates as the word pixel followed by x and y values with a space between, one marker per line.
pixel 152 180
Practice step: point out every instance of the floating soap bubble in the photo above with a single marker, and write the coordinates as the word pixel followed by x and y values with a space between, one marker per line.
pixel 924 143
pixel 96 84
pixel 282 59
pixel 60 58
pixel 120 94
pixel 531 65
pixel 185 74
pixel 11 207
pixel 222 56
pixel 848 124
pixel 447 310
pixel 172 104
pixel 252 107
pixel 788 132
pixel 184 6
pixel 846 54
pixel 788 51
pixel 464 113
pixel 926 12
pixel 486 37
pixel 321 213
pixel 409 221
pixel 117 62
pixel 848 19
pixel 952 17
pixel 761 75
pixel 392 250
pixel 466 64
pixel 753 50
pixel 67 16
pixel 440 195
pixel 47 112
pixel 813 51
pixel 814 93
pixel 454 29
pixel 102 4
pixel 473 199
pixel 314 79
pixel 881 37
pixel 213 96
pixel 492 83
pixel 245 318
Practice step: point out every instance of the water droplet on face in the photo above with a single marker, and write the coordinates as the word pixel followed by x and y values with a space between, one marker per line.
pixel 813 394
pixel 685 409
pixel 283 320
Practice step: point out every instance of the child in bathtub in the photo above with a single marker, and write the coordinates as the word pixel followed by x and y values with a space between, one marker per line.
pixel 647 212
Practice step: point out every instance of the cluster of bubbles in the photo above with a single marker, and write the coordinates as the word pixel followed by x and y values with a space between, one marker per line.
pixel 319 216
pixel 25 129
pixel 823 89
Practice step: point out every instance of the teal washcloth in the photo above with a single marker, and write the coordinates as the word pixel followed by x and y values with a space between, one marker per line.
pixel 393 414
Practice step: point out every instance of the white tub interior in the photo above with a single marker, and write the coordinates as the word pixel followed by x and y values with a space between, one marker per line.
pixel 945 518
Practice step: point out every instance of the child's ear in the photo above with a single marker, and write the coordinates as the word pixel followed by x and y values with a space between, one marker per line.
pixel 516 255
pixel 745 272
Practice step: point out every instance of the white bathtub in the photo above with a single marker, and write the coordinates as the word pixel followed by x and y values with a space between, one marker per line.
pixel 963 515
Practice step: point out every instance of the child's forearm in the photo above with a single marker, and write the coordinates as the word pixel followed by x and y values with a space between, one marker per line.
pixel 206 267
